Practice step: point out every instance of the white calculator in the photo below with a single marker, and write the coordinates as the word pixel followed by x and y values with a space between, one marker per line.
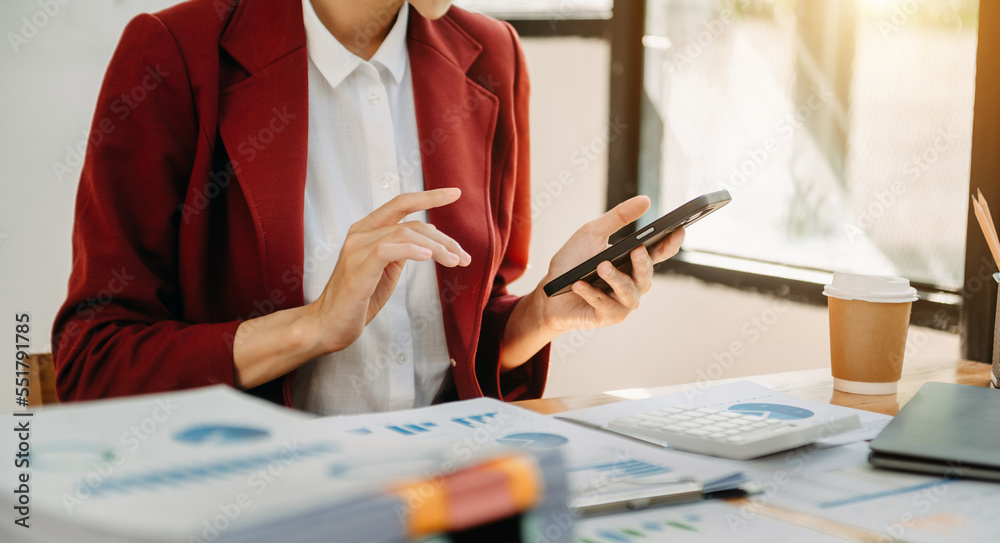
pixel 726 434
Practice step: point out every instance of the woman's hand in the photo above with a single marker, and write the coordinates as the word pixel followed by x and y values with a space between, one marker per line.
pixel 538 319
pixel 367 270
pixel 587 306
pixel 372 259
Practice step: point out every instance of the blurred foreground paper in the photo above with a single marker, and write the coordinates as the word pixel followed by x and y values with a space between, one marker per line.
pixel 217 465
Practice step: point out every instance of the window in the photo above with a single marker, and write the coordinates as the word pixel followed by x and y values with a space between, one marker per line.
pixel 843 128
pixel 540 9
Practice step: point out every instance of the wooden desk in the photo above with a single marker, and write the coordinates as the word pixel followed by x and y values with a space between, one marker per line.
pixel 815 385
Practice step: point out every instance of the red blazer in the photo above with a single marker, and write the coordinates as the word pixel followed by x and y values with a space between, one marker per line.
pixel 190 205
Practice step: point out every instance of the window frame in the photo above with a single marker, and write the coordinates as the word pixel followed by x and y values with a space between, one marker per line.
pixel 969 311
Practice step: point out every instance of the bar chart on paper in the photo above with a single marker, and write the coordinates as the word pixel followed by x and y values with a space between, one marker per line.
pixel 839 484
pixel 705 521
pixel 602 467
pixel 425 428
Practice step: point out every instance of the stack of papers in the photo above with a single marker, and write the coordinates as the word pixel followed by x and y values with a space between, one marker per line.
pixel 601 468
pixel 216 465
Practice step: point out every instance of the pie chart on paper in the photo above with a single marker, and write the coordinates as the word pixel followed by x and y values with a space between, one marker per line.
pixel 773 411
pixel 533 441
pixel 220 435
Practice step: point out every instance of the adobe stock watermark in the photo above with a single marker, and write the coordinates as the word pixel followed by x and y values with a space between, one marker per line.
pixel 571 343
pixel 914 168
pixel 684 57
pixel 248 149
pixel 796 461
pixel 922 503
pixel 89 309
pixel 902 12
pixel 395 351
pixel 122 106
pixel 566 9
pixel 33 24
pixel 410 164
pixel 130 440
pixel 291 278
pixel 582 158
pixel 759 156
pixel 464 449
pixel 229 511
pixel 722 361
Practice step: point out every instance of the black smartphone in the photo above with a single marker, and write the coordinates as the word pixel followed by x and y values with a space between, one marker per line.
pixel 649 235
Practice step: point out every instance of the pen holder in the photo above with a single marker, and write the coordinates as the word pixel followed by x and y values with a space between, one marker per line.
pixel 995 378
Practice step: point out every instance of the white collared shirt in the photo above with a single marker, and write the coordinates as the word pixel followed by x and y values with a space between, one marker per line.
pixel 364 150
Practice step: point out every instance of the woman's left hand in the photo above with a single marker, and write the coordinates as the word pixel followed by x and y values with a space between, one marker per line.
pixel 538 319
pixel 587 306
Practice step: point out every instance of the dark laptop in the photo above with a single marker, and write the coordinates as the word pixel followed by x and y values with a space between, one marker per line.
pixel 946 429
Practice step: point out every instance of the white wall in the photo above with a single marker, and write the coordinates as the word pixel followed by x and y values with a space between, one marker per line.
pixel 47 97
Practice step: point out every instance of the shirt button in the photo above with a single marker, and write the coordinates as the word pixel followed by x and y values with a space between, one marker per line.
pixel 453 363
pixel 401 359
pixel 384 183
pixel 374 98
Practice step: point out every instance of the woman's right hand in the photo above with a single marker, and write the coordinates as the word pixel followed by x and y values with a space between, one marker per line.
pixel 371 261
pixel 367 270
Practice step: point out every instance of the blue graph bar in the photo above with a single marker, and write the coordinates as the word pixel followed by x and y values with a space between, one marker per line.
pixel 403 431
pixel 630 467
pixel 468 421
pixel 615 536
pixel 876 495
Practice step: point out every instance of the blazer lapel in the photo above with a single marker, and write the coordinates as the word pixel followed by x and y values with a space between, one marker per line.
pixel 456 118
pixel 263 122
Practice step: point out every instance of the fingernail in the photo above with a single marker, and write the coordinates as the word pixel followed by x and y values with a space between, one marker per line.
pixel 453 258
pixel 466 258
pixel 604 268
pixel 452 192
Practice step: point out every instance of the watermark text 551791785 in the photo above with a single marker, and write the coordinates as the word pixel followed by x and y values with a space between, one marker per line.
pixel 22 424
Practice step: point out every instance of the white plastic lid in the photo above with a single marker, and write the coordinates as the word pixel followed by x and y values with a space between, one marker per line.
pixel 871 288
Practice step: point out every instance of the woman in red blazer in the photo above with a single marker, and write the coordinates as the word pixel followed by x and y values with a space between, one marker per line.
pixel 188 238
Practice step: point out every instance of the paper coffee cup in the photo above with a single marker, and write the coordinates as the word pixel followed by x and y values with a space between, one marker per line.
pixel 869 318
